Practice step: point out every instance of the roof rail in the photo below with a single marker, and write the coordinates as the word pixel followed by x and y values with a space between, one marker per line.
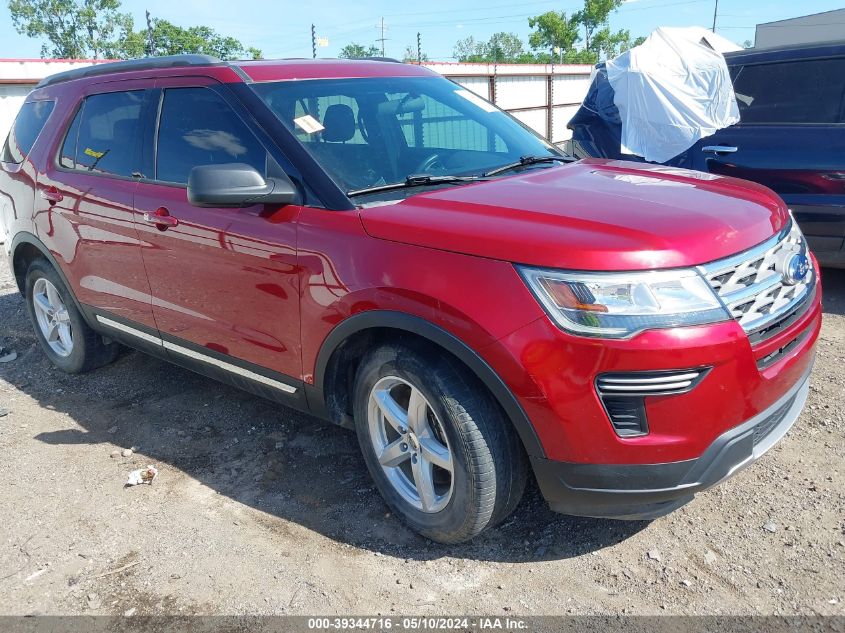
pixel 381 59
pixel 146 63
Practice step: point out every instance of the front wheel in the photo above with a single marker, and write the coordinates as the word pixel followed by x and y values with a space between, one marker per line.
pixel 438 447
pixel 64 336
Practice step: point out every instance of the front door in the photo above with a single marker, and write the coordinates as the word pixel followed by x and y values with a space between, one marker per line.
pixel 224 281
pixel 791 138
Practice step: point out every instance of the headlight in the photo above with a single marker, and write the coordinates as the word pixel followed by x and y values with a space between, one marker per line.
pixel 618 305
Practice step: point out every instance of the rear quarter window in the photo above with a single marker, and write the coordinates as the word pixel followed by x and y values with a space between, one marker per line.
pixel 808 91
pixel 25 130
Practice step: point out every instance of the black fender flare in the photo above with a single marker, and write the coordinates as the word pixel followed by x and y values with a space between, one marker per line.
pixel 406 322
pixel 28 238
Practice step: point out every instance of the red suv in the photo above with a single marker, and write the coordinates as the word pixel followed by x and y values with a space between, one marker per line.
pixel 373 244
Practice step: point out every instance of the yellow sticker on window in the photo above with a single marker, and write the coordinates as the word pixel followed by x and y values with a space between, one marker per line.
pixel 91 152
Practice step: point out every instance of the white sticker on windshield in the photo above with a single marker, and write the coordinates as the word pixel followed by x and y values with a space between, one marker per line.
pixel 474 98
pixel 309 124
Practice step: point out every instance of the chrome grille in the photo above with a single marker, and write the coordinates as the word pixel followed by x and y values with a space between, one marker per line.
pixel 752 284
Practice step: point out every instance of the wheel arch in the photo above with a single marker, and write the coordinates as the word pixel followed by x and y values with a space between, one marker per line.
pixel 355 335
pixel 25 248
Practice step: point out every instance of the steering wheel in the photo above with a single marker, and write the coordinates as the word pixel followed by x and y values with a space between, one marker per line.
pixel 431 164
pixel 362 128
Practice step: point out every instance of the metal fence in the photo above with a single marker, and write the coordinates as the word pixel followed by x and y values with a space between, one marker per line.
pixel 543 96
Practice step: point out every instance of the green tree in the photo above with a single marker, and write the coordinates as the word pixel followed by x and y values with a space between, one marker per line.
pixel 558 33
pixel 411 55
pixel 468 49
pixel 358 51
pixel 96 28
pixel 170 39
pixel 593 17
pixel 73 28
pixel 607 44
pixel 505 48
pixel 554 31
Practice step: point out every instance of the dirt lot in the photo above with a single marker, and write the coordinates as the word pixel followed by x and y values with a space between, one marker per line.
pixel 258 509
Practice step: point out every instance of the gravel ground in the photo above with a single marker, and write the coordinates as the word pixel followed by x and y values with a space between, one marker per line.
pixel 258 509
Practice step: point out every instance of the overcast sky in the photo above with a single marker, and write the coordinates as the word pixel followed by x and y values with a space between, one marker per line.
pixel 282 29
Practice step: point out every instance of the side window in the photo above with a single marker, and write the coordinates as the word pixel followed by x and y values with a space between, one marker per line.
pixel 102 136
pixel 791 92
pixel 197 127
pixel 28 125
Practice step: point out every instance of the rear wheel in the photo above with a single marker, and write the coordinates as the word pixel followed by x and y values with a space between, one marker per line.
pixel 64 336
pixel 438 447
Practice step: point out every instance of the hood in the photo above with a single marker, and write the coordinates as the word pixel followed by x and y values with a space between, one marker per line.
pixel 590 215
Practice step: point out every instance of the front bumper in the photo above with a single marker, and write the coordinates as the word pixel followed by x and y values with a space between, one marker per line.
pixel 647 491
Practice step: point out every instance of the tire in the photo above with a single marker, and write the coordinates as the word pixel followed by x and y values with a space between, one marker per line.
pixel 86 349
pixel 488 466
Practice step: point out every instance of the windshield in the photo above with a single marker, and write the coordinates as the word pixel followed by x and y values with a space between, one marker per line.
pixel 379 130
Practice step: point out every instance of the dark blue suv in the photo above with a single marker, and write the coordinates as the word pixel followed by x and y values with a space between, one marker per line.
pixel 791 136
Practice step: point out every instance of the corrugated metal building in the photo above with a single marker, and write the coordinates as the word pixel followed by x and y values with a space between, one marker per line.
pixel 819 27
pixel 19 76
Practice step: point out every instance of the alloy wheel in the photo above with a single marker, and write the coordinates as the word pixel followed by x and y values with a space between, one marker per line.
pixel 53 317
pixel 410 444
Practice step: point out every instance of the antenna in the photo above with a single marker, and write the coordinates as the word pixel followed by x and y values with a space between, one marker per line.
pixel 715 13
pixel 419 49
pixel 313 42
pixel 381 39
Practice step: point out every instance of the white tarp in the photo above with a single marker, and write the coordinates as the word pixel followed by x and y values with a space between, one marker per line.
pixel 672 91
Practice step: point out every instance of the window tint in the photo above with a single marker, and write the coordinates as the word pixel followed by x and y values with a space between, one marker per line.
pixel 27 127
pixel 102 136
pixel 791 92
pixel 198 127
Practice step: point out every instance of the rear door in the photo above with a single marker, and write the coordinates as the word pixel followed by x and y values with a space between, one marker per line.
pixel 84 206
pixel 791 138
pixel 224 281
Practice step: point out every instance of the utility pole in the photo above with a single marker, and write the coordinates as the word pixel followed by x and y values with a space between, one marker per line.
pixel 313 42
pixel 382 38
pixel 715 13
pixel 419 49
pixel 150 41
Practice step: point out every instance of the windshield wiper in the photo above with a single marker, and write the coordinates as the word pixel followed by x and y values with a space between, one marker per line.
pixel 414 180
pixel 524 161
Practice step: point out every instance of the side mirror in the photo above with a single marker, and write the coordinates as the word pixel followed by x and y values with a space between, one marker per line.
pixel 237 185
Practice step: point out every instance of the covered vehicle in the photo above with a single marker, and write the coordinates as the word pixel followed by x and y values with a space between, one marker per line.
pixel 658 99
pixel 790 136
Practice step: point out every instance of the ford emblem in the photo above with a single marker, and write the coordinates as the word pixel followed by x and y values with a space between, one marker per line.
pixel 796 268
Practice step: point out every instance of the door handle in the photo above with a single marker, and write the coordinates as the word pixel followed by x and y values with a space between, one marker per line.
pixel 51 195
pixel 161 219
pixel 719 149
